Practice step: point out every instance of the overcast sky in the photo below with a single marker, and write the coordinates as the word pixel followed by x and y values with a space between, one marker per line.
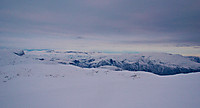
pixel 102 25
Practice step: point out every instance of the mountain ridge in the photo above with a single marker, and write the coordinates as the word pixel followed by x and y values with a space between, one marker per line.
pixel 157 63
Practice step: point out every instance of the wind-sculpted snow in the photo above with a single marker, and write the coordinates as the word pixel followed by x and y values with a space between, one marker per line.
pixel 157 63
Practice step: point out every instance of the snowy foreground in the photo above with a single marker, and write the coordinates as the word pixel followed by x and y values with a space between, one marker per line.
pixel 28 83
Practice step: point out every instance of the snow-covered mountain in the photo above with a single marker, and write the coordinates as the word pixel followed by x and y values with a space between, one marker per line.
pixel 157 63
pixel 193 58
pixel 38 79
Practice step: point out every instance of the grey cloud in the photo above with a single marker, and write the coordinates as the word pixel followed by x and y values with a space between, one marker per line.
pixel 172 42
pixel 178 20
pixel 197 47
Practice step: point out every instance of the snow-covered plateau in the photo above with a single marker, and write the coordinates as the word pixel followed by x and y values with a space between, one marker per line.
pixel 71 79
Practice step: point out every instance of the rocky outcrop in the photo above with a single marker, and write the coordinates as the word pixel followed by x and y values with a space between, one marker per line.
pixel 19 52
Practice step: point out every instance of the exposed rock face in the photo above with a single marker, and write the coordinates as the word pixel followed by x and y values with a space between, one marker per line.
pixel 141 65
pixel 19 52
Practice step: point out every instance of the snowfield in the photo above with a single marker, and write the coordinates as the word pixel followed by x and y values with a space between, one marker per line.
pixel 26 82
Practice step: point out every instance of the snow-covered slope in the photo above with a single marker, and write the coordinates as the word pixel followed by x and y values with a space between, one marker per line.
pixel 158 63
pixel 13 56
pixel 30 83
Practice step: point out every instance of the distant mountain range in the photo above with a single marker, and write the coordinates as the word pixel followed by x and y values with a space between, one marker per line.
pixel 157 63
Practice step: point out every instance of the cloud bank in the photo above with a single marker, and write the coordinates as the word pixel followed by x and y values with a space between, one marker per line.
pixel 102 22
